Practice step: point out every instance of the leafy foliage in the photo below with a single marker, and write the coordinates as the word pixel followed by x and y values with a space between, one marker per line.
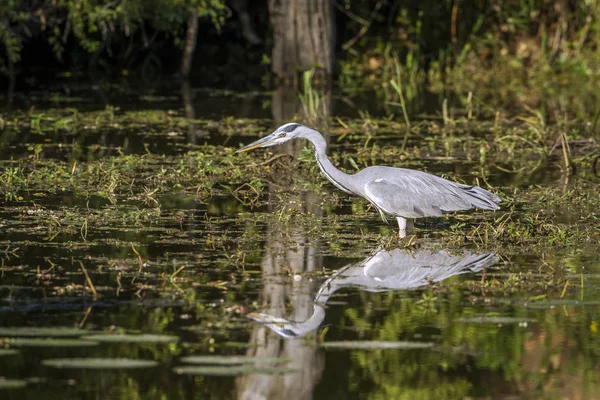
pixel 95 25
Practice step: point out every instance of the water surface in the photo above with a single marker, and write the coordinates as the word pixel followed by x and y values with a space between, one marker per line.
pixel 312 294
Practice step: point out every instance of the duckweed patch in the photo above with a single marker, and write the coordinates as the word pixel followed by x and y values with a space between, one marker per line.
pixel 98 363
pixel 123 338
pixel 232 360
pixel 12 383
pixel 49 343
pixel 41 332
pixel 375 345
pixel 230 370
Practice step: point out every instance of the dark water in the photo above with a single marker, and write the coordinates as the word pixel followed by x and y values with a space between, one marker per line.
pixel 330 307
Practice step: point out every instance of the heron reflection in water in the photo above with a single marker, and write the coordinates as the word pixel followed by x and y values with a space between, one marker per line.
pixel 405 194
pixel 397 269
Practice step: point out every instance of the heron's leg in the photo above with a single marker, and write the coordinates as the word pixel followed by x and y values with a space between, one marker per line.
pixel 405 225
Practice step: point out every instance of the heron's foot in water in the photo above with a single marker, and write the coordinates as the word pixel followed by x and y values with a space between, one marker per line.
pixel 406 225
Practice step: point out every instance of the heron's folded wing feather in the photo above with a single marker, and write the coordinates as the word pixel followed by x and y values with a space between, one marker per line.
pixel 415 196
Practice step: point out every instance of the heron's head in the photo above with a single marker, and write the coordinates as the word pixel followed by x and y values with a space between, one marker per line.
pixel 279 136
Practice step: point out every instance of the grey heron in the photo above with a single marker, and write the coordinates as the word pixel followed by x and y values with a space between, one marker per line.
pixel 405 194
pixel 397 269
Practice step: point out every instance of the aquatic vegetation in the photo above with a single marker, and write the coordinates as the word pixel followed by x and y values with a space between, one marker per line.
pixel 155 249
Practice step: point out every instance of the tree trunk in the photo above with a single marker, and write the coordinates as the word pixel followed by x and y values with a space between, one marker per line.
pixel 303 34
pixel 190 43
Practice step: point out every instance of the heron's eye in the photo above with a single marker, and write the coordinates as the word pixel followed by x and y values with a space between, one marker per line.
pixel 282 134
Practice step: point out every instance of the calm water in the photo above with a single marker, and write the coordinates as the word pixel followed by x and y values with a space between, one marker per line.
pixel 315 300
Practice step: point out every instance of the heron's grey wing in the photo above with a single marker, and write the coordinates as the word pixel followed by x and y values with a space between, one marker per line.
pixel 415 196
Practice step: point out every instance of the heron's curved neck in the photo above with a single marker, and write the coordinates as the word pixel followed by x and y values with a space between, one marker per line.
pixel 316 319
pixel 335 176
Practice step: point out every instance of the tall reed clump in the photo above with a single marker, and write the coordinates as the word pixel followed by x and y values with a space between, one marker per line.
pixel 314 104
pixel 396 83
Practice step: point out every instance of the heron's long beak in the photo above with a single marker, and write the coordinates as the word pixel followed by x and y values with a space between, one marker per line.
pixel 281 326
pixel 264 142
